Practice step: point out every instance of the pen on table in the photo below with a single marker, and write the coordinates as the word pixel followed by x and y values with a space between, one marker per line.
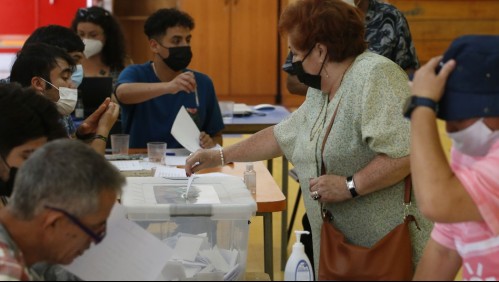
pixel 170 153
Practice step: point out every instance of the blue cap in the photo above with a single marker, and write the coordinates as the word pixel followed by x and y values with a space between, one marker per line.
pixel 472 89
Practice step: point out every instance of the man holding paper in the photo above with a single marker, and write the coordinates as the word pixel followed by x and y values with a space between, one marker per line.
pixel 153 93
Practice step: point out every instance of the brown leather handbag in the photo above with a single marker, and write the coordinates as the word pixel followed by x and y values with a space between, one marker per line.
pixel 389 259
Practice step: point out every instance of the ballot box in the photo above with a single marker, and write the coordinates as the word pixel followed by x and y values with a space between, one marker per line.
pixel 207 229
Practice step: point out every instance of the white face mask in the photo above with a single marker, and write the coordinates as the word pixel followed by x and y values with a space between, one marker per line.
pixel 67 103
pixel 475 140
pixel 67 99
pixel 92 47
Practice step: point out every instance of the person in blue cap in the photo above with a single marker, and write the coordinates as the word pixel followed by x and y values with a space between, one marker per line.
pixel 462 88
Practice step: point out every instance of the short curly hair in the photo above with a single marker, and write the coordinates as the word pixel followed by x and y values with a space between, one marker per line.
pixel 334 23
pixel 157 24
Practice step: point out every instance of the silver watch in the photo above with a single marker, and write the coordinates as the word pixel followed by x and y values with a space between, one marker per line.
pixel 351 186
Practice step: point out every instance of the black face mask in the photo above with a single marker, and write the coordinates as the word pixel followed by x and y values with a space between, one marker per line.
pixel 309 80
pixel 6 187
pixel 179 58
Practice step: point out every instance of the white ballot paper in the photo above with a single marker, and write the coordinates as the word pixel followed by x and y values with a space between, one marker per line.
pixel 185 131
pixel 127 253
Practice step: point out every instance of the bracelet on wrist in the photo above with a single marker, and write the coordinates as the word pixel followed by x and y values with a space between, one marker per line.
pixel 222 155
pixel 100 137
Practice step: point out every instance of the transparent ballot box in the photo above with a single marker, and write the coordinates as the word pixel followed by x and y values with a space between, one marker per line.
pixel 207 229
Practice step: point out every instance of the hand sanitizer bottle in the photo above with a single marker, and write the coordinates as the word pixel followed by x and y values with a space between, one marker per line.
pixel 250 178
pixel 298 267
pixel 79 113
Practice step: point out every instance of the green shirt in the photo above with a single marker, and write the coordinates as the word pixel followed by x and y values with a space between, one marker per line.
pixel 369 122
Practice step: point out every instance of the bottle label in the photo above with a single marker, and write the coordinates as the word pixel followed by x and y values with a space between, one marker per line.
pixel 79 113
pixel 303 271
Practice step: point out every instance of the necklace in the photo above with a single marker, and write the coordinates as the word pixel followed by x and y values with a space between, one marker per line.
pixel 316 128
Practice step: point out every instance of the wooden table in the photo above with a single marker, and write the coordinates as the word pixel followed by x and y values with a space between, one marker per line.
pixel 269 198
pixel 252 124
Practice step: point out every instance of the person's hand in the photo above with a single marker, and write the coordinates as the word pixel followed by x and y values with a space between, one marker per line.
pixel 184 82
pixel 108 118
pixel 201 159
pixel 90 124
pixel 205 141
pixel 329 189
pixel 427 83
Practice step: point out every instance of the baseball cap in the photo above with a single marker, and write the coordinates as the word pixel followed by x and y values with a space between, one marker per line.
pixel 472 89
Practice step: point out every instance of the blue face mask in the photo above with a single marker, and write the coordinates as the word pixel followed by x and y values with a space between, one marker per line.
pixel 77 75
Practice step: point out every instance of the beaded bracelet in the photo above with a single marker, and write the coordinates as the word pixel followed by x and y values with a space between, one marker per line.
pixel 100 137
pixel 222 155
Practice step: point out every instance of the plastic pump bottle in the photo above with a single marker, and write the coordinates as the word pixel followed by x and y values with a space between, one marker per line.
pixel 298 267
pixel 250 178
pixel 79 110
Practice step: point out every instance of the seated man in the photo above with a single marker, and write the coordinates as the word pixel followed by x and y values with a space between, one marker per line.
pixel 45 221
pixel 48 70
pixel 64 38
pixel 61 37
pixel 151 94
pixel 28 121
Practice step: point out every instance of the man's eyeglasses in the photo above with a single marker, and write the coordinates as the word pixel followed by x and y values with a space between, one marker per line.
pixel 96 237
pixel 92 14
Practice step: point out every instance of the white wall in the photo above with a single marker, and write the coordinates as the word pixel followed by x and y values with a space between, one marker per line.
pixel 6 61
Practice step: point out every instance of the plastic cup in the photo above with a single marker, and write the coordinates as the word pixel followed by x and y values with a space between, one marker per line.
pixel 227 110
pixel 156 152
pixel 119 144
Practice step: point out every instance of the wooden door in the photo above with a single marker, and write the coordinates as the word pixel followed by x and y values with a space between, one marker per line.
pixel 210 40
pixel 254 62
pixel 435 24
pixel 235 43
pixel 132 14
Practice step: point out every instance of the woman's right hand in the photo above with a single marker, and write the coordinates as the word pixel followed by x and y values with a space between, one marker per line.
pixel 201 159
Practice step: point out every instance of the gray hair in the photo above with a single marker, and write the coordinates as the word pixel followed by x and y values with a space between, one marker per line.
pixel 66 174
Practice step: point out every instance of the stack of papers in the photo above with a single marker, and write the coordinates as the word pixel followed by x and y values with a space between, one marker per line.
pixel 242 109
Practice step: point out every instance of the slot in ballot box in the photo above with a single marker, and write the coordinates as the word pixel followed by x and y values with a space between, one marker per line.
pixel 207 230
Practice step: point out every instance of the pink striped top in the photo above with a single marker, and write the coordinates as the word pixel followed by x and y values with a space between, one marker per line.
pixel 476 242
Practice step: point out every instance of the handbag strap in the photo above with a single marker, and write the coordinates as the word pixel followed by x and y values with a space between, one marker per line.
pixel 407 193
pixel 323 167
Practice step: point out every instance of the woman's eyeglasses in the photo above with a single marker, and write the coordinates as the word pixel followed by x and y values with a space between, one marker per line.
pixel 85 13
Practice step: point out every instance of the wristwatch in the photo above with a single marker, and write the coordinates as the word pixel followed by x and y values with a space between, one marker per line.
pixel 351 186
pixel 416 101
